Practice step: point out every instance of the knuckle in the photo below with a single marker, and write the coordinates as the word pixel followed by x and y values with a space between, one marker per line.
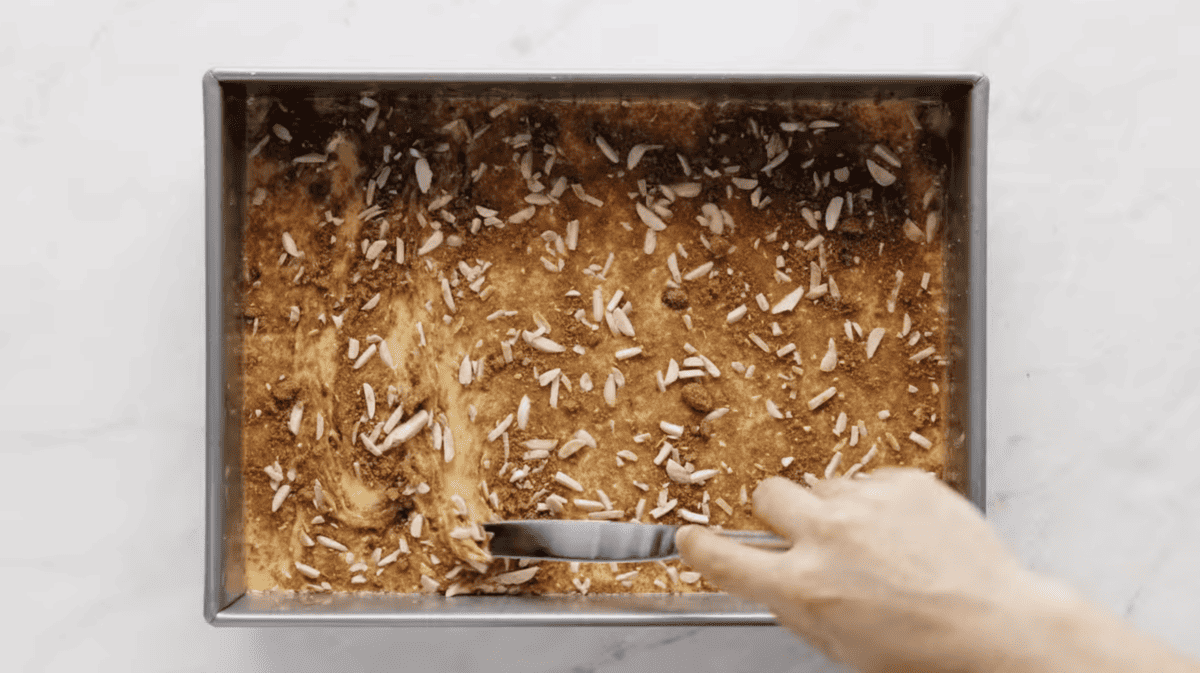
pixel 723 570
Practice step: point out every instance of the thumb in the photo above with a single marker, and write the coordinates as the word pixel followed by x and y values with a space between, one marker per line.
pixel 739 569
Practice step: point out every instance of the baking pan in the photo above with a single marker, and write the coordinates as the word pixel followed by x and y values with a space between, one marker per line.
pixel 226 92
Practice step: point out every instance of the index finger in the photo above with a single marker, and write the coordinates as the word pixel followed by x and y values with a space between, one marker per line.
pixel 787 507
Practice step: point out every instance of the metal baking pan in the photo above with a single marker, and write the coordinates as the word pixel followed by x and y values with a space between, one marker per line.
pixel 226 92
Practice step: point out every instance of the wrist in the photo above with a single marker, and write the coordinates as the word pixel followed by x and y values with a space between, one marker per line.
pixel 1050 628
pixel 1014 628
pixel 1047 620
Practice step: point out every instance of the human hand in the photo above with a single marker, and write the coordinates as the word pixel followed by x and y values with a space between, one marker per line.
pixel 893 572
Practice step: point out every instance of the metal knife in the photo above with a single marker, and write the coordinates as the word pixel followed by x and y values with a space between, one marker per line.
pixel 601 541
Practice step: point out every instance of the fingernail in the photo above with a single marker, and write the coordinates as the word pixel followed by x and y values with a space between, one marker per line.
pixel 683 532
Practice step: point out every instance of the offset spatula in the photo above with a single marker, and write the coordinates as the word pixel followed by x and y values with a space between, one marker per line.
pixel 601 541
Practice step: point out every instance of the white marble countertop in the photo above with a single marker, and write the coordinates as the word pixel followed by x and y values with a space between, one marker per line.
pixel 1094 451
